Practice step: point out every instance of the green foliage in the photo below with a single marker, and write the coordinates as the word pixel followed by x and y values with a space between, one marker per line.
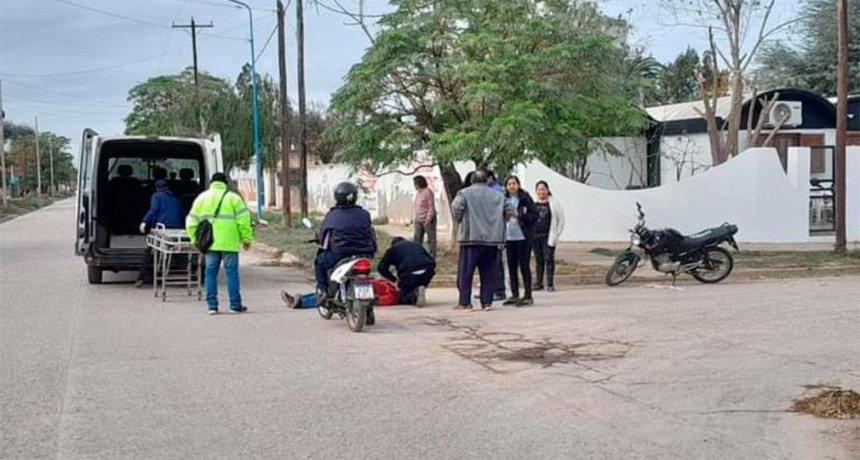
pixel 21 156
pixel 811 63
pixel 169 105
pixel 678 79
pixel 494 82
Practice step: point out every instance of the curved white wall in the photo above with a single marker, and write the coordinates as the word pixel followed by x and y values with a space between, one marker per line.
pixel 751 191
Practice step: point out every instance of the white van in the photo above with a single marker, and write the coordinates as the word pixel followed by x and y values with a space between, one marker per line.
pixel 116 178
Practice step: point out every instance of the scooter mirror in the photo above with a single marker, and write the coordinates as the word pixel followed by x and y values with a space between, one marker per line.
pixel 307 223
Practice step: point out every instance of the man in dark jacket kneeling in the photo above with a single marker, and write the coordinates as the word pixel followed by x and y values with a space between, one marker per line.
pixel 415 269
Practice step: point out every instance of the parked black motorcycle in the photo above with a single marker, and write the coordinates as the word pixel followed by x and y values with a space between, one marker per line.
pixel 351 293
pixel 700 255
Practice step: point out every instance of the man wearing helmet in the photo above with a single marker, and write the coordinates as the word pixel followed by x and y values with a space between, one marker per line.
pixel 346 231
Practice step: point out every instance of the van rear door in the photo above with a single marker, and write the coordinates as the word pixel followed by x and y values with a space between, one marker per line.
pixel 85 208
pixel 212 156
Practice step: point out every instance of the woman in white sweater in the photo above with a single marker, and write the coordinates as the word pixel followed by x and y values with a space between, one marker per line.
pixel 547 231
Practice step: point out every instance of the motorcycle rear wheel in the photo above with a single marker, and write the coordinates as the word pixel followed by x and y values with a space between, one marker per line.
pixel 356 315
pixel 716 266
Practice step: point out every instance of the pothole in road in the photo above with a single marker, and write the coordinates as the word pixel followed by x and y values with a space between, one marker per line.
pixel 509 352
pixel 829 402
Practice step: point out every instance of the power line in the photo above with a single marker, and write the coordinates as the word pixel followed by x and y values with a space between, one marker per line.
pixel 108 13
pixel 267 41
pixel 130 19
pixel 69 107
pixel 96 69
pixel 38 88
pixel 223 5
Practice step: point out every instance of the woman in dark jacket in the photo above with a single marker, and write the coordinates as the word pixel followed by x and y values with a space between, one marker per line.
pixel 519 232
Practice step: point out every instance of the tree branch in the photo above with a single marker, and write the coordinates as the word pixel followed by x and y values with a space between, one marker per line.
pixel 773 133
pixel 408 173
pixel 764 36
pixel 359 17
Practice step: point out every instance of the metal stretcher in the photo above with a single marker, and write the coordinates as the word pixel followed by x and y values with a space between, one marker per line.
pixel 169 247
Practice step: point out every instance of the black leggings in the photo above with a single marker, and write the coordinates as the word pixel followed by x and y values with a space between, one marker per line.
pixel 544 260
pixel 519 258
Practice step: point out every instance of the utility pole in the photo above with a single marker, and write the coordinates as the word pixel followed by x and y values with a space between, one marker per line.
pixel 38 162
pixel 255 110
pixel 51 157
pixel 286 139
pixel 841 120
pixel 3 147
pixel 194 26
pixel 303 129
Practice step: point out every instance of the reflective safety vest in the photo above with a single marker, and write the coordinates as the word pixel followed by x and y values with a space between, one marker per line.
pixel 231 227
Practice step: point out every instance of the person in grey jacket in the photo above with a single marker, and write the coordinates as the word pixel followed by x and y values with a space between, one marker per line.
pixel 480 212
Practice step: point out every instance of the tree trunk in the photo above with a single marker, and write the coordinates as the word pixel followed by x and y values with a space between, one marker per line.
pixel 453 183
pixel 733 136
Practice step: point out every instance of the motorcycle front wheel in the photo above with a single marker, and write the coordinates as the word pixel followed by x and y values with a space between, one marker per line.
pixel 620 271
pixel 356 315
pixel 717 265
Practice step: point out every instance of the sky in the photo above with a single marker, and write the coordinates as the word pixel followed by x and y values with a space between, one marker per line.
pixel 71 62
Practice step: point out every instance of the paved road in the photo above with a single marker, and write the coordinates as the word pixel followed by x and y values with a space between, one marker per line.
pixel 635 372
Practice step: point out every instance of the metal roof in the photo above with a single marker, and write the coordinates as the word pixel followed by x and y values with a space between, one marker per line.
pixel 687 110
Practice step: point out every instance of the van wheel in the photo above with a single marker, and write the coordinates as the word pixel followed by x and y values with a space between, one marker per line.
pixel 94 275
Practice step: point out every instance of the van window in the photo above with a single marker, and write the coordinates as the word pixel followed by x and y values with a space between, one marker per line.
pixel 128 170
pixel 150 170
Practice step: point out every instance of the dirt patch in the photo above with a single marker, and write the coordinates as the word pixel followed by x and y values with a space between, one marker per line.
pixel 20 206
pixel 830 402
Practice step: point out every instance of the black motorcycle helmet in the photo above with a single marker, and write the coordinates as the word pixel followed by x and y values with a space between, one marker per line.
pixel 345 194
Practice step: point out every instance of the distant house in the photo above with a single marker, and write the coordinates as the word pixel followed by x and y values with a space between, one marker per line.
pixel 676 144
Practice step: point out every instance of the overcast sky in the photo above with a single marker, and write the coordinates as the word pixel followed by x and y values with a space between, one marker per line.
pixel 72 62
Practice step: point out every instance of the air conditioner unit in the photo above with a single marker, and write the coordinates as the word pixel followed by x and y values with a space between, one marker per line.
pixel 785 114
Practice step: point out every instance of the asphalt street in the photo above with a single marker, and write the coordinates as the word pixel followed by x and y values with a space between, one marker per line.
pixel 640 371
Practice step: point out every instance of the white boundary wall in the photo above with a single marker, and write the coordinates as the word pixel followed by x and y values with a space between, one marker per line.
pixel 751 191
pixel 852 192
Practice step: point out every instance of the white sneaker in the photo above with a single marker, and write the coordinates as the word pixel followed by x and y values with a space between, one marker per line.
pixel 422 297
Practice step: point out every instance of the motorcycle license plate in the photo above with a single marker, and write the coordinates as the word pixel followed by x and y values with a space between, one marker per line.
pixel 364 292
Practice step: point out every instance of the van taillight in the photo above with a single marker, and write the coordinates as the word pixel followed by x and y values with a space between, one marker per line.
pixel 362 267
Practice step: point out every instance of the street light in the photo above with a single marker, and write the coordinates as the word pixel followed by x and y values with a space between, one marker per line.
pixel 258 155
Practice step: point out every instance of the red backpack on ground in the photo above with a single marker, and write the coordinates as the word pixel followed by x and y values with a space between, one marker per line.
pixel 386 292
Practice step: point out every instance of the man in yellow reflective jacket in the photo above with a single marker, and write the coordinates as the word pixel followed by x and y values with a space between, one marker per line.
pixel 231 229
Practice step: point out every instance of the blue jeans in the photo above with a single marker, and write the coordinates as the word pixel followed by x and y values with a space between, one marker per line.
pixel 231 268
pixel 325 262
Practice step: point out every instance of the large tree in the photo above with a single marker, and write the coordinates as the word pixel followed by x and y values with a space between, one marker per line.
pixel 736 31
pixel 170 105
pixel 678 78
pixel 495 82
pixel 808 59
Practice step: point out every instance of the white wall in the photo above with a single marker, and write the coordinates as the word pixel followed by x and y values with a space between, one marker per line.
pixel 751 191
pixel 616 172
pixel 683 156
pixel 692 152
pixel 852 192
pixel 388 195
